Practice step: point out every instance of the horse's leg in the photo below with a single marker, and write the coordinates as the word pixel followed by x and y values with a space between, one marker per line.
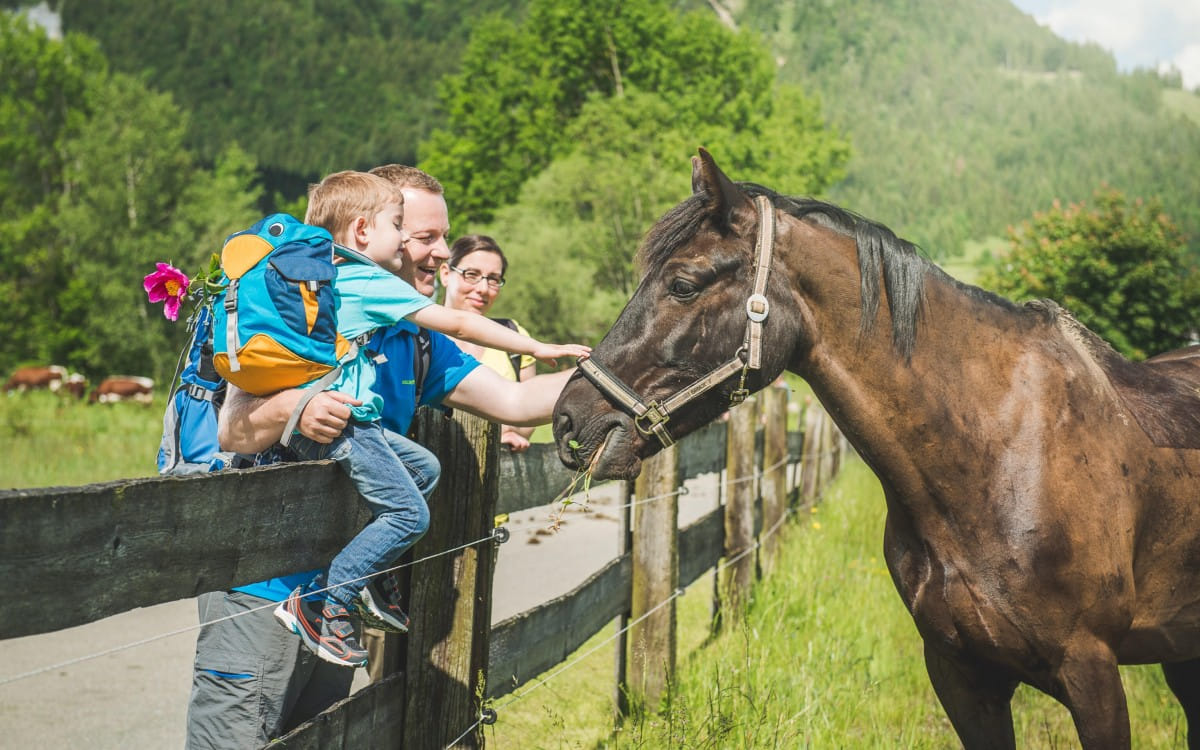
pixel 1184 680
pixel 977 700
pixel 1088 683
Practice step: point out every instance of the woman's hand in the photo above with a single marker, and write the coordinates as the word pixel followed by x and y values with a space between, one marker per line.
pixel 516 442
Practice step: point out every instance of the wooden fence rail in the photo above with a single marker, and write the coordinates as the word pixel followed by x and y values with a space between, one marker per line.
pixel 85 553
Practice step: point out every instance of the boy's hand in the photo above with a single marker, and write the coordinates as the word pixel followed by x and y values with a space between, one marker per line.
pixel 549 353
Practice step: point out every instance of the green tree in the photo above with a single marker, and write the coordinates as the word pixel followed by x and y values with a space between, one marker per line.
pixel 104 189
pixel 520 86
pixel 1118 266
pixel 587 212
pixel 306 88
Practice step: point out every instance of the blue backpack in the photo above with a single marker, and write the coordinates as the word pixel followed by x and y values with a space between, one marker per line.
pixel 189 436
pixel 275 323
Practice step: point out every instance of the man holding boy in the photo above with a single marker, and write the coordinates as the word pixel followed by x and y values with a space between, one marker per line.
pixel 364 214
pixel 253 681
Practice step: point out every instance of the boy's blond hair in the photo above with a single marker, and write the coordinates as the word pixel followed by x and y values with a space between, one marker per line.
pixel 336 201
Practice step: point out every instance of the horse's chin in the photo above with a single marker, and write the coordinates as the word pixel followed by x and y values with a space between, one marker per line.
pixel 614 457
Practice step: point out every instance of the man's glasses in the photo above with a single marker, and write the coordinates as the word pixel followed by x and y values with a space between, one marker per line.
pixel 472 277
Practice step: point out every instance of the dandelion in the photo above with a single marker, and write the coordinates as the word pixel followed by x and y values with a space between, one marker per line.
pixel 168 285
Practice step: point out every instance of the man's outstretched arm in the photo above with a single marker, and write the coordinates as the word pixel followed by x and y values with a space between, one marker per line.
pixel 252 424
pixel 525 404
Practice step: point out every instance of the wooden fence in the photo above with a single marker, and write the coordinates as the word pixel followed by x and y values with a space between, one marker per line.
pixel 85 553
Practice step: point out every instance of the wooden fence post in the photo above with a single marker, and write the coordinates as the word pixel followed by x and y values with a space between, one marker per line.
pixel 450 600
pixel 621 660
pixel 810 466
pixel 739 504
pixel 655 576
pixel 774 479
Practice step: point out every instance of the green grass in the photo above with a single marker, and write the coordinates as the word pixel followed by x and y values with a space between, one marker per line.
pixel 827 657
pixel 51 441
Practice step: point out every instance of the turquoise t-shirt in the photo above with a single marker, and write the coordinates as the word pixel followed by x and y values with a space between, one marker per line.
pixel 369 297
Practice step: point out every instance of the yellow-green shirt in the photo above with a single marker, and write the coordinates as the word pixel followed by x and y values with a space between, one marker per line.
pixel 498 360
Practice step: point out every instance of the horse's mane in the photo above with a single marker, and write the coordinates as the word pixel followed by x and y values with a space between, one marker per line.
pixel 880 253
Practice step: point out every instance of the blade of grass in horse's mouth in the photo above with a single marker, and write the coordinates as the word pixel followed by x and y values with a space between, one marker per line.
pixel 584 475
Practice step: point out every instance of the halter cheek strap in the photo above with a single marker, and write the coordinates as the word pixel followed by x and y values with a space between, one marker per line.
pixel 651 418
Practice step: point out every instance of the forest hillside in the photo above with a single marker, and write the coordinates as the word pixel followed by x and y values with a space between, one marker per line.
pixel 964 115
pixel 150 129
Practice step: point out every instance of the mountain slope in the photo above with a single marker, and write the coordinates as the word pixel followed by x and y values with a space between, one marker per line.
pixel 966 116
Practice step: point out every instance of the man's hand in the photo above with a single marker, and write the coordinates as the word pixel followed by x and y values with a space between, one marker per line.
pixel 326 415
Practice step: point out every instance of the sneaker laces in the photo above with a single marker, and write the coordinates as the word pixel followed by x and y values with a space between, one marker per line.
pixel 389 584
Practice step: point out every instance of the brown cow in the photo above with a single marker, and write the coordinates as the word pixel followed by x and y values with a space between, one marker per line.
pixel 30 378
pixel 75 385
pixel 121 388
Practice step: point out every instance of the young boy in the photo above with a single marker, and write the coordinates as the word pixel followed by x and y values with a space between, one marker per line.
pixel 363 212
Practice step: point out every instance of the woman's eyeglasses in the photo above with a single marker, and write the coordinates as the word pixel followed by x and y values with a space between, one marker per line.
pixel 472 277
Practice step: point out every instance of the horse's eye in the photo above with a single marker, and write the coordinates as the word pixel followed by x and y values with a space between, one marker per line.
pixel 681 289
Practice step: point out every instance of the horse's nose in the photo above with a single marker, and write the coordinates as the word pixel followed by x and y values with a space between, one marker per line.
pixel 564 435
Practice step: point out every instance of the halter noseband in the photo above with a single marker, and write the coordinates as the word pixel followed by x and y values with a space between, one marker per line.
pixel 652 418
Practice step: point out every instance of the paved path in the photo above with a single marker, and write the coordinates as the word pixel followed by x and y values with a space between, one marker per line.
pixel 136 697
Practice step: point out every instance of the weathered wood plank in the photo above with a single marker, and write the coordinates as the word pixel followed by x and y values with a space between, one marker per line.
pixel 525 645
pixel 701 545
pixel 702 452
pixel 369 719
pixel 532 478
pixel 536 477
pixel 84 553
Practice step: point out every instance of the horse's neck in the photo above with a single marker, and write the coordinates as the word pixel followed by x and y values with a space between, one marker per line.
pixel 900 412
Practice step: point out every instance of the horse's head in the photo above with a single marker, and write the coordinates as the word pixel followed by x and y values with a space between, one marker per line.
pixel 687 345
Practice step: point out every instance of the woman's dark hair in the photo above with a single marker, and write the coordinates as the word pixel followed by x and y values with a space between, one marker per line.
pixel 474 243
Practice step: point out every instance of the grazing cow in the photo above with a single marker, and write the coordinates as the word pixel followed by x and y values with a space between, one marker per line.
pixel 75 385
pixel 122 388
pixel 30 378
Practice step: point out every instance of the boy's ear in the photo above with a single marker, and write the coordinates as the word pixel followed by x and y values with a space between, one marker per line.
pixel 358 231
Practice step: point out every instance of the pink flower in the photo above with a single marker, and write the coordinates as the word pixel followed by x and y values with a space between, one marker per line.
pixel 170 284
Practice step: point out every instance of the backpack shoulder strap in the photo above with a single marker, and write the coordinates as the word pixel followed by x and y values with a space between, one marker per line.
pixel 513 359
pixel 422 354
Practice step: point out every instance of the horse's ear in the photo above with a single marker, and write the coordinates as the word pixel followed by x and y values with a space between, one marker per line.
pixel 726 201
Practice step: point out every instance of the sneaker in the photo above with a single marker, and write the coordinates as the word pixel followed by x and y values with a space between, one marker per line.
pixel 378 604
pixel 325 628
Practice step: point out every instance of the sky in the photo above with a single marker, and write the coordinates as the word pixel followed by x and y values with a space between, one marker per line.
pixel 1151 34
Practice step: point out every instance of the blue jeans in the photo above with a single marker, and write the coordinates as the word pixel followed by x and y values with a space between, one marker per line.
pixel 395 476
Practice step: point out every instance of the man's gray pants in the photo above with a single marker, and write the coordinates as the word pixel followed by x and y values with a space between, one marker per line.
pixel 253 681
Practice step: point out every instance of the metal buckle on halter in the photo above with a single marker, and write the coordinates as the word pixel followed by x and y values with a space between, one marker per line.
pixel 740 393
pixel 757 307
pixel 654 415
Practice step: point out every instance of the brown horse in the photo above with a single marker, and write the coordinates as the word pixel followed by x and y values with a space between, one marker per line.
pixel 1043 492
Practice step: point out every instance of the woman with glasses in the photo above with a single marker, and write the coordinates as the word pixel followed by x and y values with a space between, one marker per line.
pixel 472 278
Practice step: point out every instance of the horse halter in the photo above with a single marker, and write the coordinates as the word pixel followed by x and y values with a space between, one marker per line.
pixel 652 418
